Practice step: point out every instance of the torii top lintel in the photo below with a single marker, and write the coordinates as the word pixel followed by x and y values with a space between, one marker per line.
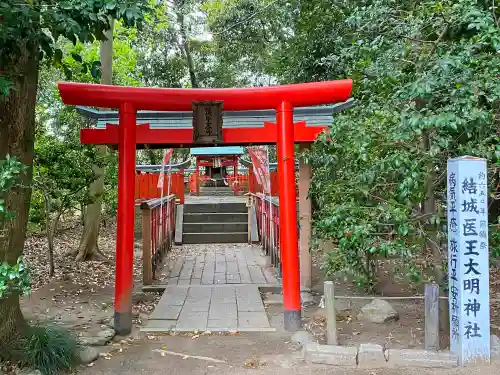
pixel 235 99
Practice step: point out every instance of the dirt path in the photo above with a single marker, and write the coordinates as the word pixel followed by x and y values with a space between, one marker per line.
pixel 259 354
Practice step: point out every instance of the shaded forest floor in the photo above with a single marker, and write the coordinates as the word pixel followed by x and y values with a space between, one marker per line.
pixel 80 297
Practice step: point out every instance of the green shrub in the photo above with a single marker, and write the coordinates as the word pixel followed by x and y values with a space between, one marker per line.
pixel 51 350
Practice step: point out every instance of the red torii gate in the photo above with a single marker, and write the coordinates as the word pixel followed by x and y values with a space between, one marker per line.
pixel 283 99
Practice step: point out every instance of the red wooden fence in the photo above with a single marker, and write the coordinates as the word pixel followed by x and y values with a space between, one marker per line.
pixel 146 186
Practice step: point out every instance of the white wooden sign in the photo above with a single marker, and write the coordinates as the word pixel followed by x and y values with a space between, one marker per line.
pixel 468 266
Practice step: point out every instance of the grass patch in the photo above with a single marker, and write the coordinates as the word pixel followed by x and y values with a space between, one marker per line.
pixel 50 349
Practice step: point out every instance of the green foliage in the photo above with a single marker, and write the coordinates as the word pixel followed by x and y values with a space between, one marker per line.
pixel 10 168
pixel 40 26
pixel 51 350
pixel 14 279
pixel 428 90
pixel 62 172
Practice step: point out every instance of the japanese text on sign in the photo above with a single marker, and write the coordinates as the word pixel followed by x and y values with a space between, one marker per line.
pixel 468 259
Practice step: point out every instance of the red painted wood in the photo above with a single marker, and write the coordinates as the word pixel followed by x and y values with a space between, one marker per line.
pixel 184 137
pixel 125 217
pixel 146 186
pixel 235 99
pixel 288 210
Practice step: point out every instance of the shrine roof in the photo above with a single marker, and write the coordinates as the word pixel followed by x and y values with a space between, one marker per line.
pixel 213 151
pixel 313 116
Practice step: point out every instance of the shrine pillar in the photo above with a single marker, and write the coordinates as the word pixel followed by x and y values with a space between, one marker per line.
pixel 125 220
pixel 305 221
pixel 288 217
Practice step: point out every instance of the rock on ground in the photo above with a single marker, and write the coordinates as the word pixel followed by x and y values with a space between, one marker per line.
pixel 101 339
pixel 87 354
pixel 303 337
pixel 378 311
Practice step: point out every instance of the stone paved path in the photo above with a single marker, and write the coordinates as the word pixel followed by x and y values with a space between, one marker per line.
pixel 214 287
pixel 221 264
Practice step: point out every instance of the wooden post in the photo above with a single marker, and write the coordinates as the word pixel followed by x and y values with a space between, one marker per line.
pixel 147 266
pixel 431 317
pixel 331 316
pixel 305 222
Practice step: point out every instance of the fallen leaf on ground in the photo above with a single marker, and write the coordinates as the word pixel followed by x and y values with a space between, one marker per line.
pixel 252 363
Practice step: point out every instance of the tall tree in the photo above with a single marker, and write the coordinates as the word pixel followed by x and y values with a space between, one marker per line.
pixel 29 31
pixel 88 248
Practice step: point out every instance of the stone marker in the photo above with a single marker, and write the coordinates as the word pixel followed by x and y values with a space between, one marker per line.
pixel 469 299
pixel 399 358
pixel 330 354
pixel 378 311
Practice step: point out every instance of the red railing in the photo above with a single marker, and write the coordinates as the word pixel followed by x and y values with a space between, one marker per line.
pixel 268 223
pixel 158 232
pixel 237 184
pixel 254 187
pixel 146 185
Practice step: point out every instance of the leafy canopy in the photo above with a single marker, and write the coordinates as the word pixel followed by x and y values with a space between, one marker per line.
pixel 40 25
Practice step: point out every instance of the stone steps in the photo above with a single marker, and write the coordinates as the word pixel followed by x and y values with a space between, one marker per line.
pixel 223 222
pixel 228 227
pixel 205 238
pixel 223 207
pixel 213 217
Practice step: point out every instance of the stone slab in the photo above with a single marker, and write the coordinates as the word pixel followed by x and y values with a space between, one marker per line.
pixel 195 281
pixel 330 354
pixel 166 312
pixel 248 292
pixel 371 356
pixel 233 278
pixel 208 273
pixel 401 358
pixel 176 269
pixel 223 311
pixel 196 293
pixel 257 275
pixel 244 274
pixel 174 297
pixel 192 321
pixel 252 319
pixel 187 270
pixel 232 267
pixel 159 325
pixel 222 325
pixel 184 282
pixel 196 305
pixel 223 296
pixel 220 278
pixel 172 280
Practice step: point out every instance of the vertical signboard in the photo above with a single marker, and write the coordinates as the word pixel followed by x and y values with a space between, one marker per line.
pixel 468 266
pixel 207 122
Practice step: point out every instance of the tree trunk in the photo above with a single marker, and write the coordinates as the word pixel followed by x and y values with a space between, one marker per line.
pixel 432 241
pixel 187 51
pixel 17 136
pixel 49 233
pixel 88 248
